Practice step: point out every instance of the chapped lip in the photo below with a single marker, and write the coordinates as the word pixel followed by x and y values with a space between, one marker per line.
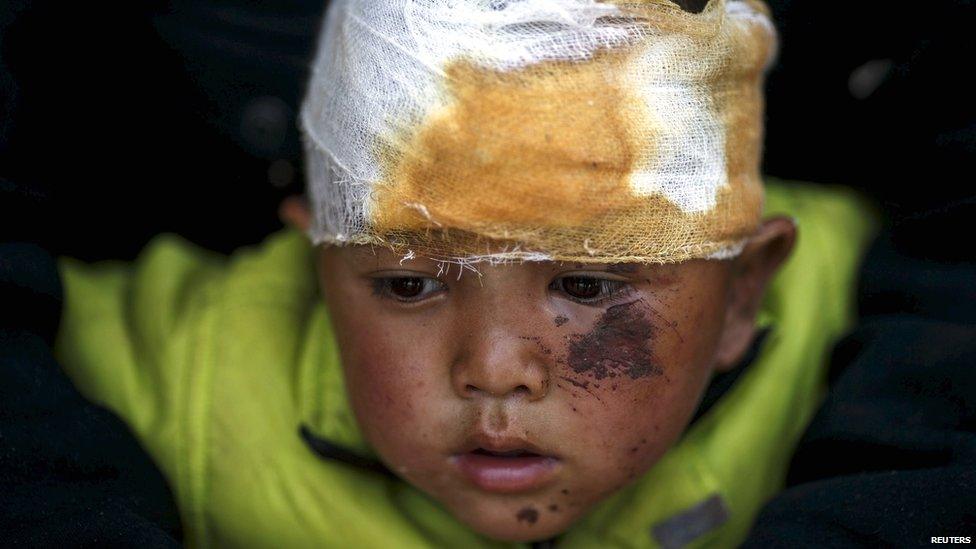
pixel 505 465
pixel 485 443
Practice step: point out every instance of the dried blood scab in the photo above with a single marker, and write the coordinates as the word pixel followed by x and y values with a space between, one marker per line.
pixel 560 320
pixel 617 344
pixel 528 514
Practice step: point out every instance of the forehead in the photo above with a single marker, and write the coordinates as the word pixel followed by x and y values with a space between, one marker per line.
pixel 371 257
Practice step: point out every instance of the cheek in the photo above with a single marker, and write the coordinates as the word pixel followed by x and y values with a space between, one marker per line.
pixel 391 383
pixel 636 377
pixel 379 378
pixel 641 349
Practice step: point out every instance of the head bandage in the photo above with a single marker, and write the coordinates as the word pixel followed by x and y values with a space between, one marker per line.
pixel 567 130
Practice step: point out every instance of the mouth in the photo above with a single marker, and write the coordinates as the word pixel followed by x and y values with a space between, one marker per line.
pixel 506 466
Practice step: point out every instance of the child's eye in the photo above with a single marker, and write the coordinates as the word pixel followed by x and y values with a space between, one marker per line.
pixel 407 288
pixel 587 289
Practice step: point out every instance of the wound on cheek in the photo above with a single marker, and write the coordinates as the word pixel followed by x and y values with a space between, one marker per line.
pixel 619 344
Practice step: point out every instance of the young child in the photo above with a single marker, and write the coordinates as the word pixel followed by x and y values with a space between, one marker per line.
pixel 534 237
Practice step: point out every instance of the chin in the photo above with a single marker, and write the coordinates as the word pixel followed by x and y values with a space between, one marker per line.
pixel 518 534
pixel 514 521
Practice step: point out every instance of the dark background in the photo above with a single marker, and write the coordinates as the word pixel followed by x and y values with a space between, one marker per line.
pixel 120 120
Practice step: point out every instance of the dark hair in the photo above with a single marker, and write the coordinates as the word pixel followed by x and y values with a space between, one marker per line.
pixel 693 6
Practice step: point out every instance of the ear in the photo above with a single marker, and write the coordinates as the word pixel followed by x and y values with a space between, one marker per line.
pixel 293 211
pixel 762 256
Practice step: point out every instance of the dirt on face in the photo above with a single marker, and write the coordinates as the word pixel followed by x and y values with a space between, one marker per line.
pixel 618 344
pixel 528 514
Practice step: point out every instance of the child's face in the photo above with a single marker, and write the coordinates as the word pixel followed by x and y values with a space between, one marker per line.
pixel 522 396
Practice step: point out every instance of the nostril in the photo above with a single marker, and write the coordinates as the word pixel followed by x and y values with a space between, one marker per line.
pixel 521 390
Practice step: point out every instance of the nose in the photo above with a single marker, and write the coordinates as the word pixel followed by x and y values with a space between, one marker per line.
pixel 501 365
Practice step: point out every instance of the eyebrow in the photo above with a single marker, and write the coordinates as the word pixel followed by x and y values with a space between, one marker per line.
pixel 364 251
pixel 380 255
pixel 356 256
pixel 627 268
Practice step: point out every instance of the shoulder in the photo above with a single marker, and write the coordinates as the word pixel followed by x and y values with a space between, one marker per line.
pixel 834 227
pixel 129 330
pixel 832 209
pixel 156 291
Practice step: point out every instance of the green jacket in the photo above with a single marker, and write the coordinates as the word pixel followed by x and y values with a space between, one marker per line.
pixel 215 362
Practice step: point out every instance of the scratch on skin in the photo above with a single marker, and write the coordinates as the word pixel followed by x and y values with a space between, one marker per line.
pixel 669 323
pixel 584 385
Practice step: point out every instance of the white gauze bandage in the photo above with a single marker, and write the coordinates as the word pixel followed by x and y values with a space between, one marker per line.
pixel 568 130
